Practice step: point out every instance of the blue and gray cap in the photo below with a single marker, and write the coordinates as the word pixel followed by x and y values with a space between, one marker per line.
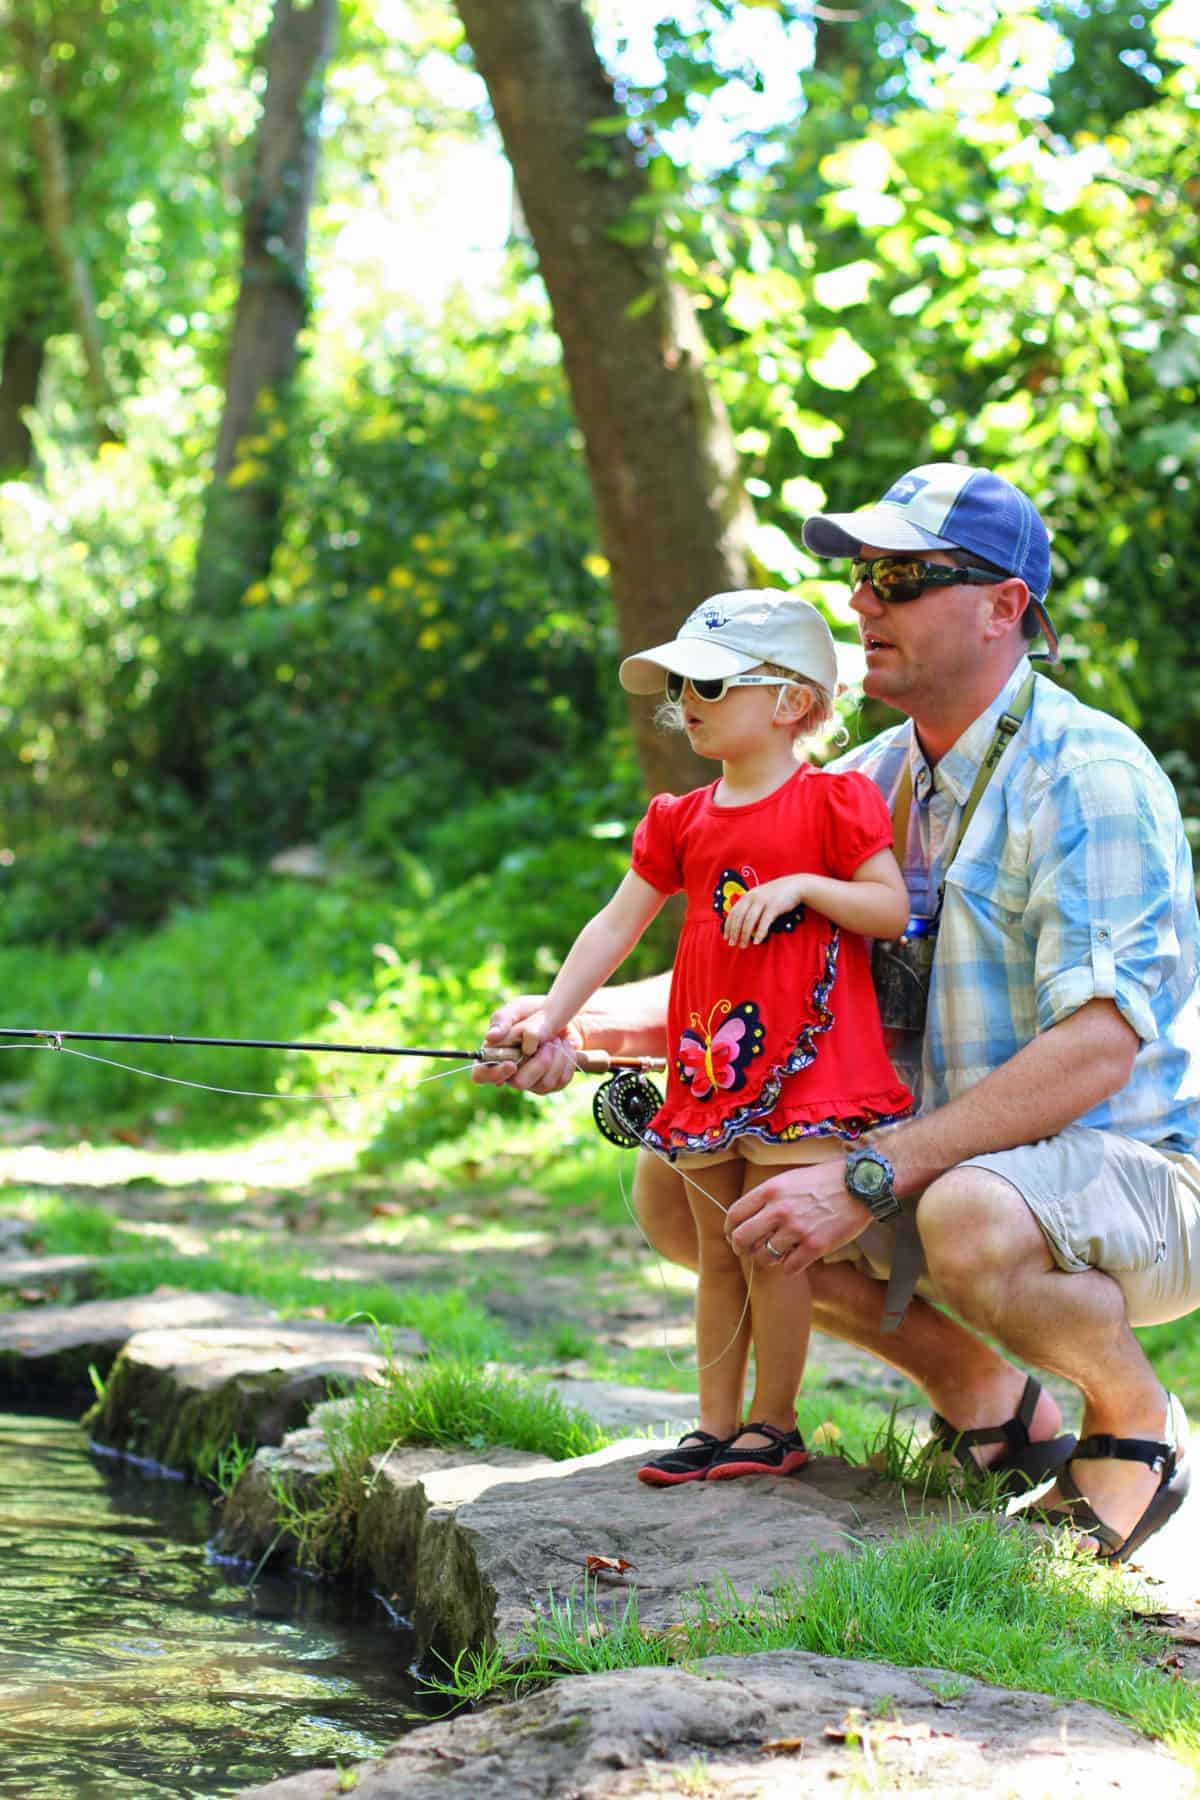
pixel 949 506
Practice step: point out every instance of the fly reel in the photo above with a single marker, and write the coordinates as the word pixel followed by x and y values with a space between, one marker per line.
pixel 623 1106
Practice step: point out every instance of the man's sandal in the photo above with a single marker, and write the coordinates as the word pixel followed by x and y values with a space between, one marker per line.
pixel 1023 1465
pixel 1174 1480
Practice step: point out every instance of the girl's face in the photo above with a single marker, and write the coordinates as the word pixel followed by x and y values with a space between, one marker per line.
pixel 739 725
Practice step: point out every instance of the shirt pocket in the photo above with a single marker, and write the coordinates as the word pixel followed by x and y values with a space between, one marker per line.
pixel 995 891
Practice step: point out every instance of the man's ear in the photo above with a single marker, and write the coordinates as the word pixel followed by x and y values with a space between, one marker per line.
pixel 1009 598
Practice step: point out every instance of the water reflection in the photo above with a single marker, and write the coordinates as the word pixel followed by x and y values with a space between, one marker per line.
pixel 132 1666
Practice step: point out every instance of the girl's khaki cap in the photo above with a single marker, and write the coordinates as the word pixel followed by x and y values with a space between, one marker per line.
pixel 730 633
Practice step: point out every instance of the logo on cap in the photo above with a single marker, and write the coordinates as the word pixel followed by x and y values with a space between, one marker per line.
pixel 906 489
pixel 713 617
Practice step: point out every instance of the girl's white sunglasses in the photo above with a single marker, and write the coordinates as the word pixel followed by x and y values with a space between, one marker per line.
pixel 716 688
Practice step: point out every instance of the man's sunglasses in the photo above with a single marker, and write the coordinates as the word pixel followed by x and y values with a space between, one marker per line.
pixel 900 578
pixel 717 688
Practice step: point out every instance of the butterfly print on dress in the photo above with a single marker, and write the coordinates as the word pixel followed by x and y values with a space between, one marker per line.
pixel 715 1061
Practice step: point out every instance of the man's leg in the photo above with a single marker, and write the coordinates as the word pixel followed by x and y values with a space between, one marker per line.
pixel 965 1380
pixel 986 1254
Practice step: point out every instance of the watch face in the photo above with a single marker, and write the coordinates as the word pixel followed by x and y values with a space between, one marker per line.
pixel 870 1176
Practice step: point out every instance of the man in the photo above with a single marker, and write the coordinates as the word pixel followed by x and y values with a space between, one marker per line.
pixel 1052 1171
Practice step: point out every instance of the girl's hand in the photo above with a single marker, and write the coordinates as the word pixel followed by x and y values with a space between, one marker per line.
pixel 548 1070
pixel 751 918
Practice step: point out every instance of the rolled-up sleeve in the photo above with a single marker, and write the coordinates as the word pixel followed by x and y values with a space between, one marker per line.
pixel 1100 913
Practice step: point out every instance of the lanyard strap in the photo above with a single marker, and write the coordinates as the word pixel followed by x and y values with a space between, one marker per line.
pixel 1007 726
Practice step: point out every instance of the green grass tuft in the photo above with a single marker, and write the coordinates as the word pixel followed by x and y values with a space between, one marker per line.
pixel 450 1404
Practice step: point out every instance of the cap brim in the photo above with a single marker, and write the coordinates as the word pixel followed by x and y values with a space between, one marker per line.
pixel 844 534
pixel 692 657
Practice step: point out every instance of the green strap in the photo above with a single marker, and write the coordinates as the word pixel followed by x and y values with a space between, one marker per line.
pixel 1007 726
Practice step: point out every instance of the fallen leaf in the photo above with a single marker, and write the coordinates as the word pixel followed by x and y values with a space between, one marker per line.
pixel 782 1746
pixel 608 1565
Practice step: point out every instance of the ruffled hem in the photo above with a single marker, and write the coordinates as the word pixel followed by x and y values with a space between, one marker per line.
pixel 846 1126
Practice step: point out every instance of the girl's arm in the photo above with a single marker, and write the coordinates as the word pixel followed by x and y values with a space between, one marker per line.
pixel 601 947
pixel 874 903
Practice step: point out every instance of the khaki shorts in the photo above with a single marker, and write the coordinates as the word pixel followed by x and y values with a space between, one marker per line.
pixel 1103 1201
pixel 754 1150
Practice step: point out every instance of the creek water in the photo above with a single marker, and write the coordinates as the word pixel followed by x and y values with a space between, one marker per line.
pixel 133 1665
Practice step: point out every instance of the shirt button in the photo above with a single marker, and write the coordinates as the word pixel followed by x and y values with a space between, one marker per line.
pixel 1102 934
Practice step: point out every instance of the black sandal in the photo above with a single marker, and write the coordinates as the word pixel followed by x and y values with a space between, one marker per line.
pixel 1174 1480
pixel 781 1456
pixel 1024 1464
pixel 688 1461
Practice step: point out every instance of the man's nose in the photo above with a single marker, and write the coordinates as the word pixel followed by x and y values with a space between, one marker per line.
pixel 864 599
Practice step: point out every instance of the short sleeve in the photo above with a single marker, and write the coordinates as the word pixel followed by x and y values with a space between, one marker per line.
pixel 655 853
pixel 857 823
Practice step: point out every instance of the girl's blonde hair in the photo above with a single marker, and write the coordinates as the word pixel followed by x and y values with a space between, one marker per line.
pixel 803 704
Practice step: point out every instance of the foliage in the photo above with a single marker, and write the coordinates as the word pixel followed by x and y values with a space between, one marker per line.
pixel 425 527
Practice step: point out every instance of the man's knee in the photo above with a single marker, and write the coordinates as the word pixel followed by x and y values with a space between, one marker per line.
pixel 976 1229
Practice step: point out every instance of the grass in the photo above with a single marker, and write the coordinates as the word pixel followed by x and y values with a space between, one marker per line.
pixel 978 1599
pixel 447 1403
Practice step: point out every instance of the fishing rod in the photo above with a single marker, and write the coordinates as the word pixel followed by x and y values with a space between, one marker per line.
pixel 622 1106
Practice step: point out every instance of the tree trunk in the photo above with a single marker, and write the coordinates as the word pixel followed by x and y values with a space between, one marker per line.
pixel 20 372
pixel 241 517
pixel 54 178
pixel 674 518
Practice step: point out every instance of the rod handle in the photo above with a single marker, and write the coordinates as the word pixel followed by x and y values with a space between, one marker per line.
pixel 588 1062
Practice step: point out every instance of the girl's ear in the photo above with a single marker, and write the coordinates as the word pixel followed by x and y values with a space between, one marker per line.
pixel 796 703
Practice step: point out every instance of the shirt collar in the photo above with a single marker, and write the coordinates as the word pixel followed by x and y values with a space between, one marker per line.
pixel 957 770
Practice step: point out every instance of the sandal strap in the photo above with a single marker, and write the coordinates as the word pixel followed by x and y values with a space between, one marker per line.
pixel 768 1431
pixel 1156 1455
pixel 1014 1432
pixel 1080 1515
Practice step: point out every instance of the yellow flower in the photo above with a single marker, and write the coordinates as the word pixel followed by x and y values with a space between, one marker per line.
pixel 598 566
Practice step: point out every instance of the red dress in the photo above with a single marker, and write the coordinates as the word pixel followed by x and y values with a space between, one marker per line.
pixel 782 1040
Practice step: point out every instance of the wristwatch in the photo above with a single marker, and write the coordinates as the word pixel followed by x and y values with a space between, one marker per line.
pixel 871 1178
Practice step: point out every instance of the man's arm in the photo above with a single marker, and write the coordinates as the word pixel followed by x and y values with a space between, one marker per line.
pixel 1052 1081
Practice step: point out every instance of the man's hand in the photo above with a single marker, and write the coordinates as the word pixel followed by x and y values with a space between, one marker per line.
pixel 547 1070
pixel 805 1214
pixel 750 918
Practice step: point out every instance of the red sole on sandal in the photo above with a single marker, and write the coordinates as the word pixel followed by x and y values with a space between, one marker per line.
pixel 728 1471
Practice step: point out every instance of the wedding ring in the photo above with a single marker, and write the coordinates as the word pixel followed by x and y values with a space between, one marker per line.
pixel 777 1254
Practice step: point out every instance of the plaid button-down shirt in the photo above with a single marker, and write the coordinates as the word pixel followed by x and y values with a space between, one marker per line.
pixel 1074 882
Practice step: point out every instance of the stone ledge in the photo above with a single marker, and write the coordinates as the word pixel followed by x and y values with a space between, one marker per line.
pixel 754 1728
pixel 45 1352
pixel 180 1396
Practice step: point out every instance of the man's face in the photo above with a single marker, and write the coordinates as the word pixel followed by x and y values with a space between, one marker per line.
pixel 917 650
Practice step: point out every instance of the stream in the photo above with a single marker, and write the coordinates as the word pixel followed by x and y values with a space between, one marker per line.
pixel 133 1664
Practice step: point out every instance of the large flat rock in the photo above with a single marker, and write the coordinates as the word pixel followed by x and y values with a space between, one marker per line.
pixel 180 1396
pixel 45 1352
pixel 490 1565
pixel 755 1728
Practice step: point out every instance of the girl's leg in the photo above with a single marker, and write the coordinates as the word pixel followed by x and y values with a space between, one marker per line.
pixel 722 1317
pixel 781 1320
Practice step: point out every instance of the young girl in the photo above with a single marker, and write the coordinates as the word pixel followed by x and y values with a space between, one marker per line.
pixel 777 1045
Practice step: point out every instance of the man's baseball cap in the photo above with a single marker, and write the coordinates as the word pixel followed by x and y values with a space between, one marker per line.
pixel 730 633
pixel 949 506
